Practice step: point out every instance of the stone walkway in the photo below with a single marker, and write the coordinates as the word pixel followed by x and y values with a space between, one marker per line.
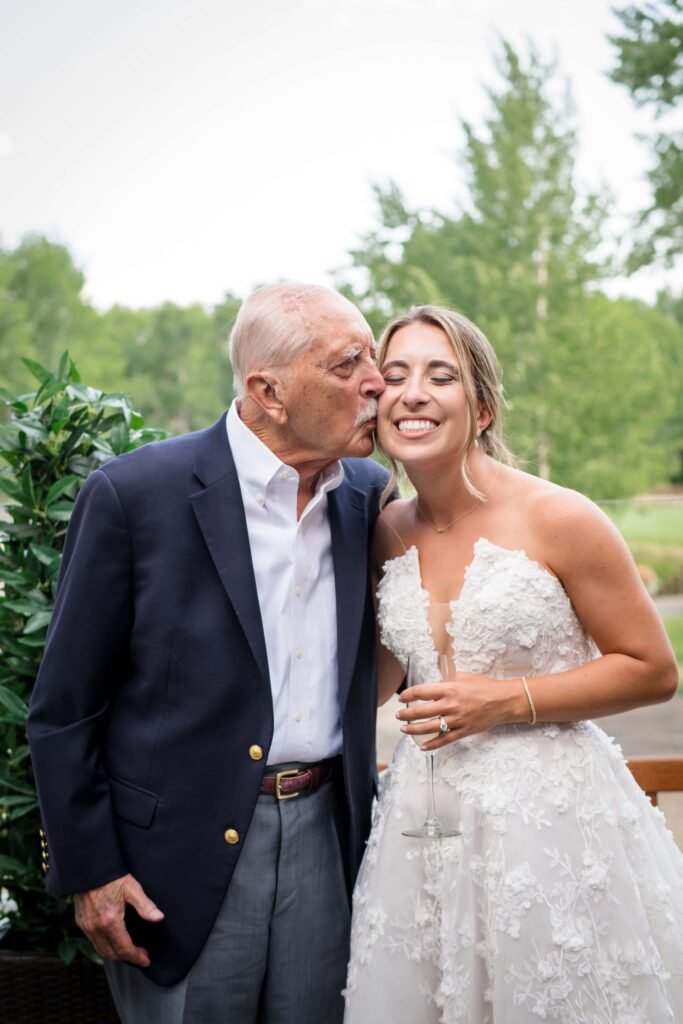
pixel 656 731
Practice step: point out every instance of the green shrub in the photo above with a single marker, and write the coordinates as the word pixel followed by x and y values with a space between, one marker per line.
pixel 50 441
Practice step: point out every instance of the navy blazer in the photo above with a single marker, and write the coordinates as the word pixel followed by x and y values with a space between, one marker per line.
pixel 154 684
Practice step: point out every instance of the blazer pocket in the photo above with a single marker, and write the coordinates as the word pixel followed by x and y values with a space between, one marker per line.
pixel 132 803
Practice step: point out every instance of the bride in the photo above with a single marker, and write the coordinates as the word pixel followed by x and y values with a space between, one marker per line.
pixel 562 899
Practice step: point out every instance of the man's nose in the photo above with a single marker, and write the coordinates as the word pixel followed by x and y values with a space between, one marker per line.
pixel 373 385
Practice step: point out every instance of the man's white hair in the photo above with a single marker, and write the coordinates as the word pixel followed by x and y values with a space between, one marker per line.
pixel 272 328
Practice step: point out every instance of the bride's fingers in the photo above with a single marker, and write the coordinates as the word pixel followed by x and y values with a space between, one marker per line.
pixel 430 709
pixel 453 734
pixel 427 725
pixel 423 691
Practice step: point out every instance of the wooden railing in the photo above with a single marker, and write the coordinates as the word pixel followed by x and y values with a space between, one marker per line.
pixel 657 774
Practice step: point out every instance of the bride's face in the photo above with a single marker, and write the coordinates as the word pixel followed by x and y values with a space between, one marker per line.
pixel 423 411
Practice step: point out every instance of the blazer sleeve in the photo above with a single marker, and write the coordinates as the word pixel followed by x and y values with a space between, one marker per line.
pixel 86 648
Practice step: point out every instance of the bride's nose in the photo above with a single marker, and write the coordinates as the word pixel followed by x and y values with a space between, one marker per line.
pixel 413 393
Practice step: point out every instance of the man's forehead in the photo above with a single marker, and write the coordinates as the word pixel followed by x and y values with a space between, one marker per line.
pixel 335 327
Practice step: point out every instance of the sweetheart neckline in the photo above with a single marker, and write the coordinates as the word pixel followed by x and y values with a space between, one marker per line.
pixel 475 553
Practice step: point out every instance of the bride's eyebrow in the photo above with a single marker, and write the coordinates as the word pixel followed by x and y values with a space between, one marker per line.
pixel 431 365
pixel 434 363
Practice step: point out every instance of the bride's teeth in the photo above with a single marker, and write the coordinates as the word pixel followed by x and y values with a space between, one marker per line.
pixel 416 425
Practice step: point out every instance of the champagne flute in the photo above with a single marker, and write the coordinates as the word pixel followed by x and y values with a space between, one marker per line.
pixel 432 827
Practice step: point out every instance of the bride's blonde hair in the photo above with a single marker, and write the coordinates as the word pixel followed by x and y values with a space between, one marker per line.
pixel 480 371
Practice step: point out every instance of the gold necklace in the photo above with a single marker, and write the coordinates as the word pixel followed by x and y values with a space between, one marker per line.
pixel 442 529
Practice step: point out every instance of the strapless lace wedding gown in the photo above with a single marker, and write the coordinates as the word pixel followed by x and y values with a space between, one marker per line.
pixel 563 898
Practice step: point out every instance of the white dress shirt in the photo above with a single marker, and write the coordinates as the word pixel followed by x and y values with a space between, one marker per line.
pixel 292 562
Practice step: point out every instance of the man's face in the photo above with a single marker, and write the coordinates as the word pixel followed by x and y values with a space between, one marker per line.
pixel 331 389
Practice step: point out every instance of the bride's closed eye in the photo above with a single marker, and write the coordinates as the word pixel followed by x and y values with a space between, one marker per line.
pixel 441 378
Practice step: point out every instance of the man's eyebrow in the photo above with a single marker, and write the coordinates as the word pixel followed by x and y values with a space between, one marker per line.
pixel 348 352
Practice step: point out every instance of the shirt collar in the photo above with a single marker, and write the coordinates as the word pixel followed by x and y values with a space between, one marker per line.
pixel 258 467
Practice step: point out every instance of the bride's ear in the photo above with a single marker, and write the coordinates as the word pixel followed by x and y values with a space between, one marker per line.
pixel 484 419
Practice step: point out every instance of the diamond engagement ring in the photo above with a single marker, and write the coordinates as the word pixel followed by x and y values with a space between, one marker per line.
pixel 443 725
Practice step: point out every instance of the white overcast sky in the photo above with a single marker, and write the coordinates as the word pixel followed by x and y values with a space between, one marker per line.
pixel 184 148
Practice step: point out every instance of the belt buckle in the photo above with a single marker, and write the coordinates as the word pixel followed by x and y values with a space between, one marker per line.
pixel 278 779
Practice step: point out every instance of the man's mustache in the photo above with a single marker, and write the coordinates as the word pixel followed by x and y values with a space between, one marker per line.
pixel 368 412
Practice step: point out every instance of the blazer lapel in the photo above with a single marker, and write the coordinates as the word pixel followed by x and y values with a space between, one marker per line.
pixel 349 529
pixel 220 514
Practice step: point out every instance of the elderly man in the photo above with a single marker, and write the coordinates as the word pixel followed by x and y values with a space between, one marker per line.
pixel 202 727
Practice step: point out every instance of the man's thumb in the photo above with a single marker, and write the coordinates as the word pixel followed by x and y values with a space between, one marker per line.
pixel 136 896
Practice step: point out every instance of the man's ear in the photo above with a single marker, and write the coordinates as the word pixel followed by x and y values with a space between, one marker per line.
pixel 265 389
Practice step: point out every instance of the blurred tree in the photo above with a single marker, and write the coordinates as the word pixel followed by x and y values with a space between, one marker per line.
pixel 609 386
pixel 518 260
pixel 671 305
pixel 174 363
pixel 42 311
pixel 173 359
pixel 650 64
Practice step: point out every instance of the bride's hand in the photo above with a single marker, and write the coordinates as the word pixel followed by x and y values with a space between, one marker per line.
pixel 468 704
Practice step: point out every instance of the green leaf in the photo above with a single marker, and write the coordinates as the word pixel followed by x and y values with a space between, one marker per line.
pixel 10 865
pixel 11 488
pixel 37 621
pixel 87 950
pixel 17 786
pixel 20 804
pixel 21 810
pixel 67 950
pixel 63 369
pixel 38 371
pixel 45 555
pixel 14 705
pixel 60 512
pixel 59 487
pixel 25 606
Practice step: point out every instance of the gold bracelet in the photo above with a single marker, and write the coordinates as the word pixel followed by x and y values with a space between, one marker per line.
pixel 531 701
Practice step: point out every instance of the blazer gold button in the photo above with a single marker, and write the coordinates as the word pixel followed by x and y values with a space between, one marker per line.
pixel 232 836
pixel 255 752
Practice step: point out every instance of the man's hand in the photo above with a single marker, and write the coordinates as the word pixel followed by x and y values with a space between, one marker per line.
pixel 100 915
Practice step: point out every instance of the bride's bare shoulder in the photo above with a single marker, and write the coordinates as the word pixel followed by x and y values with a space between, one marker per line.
pixel 567 524
pixel 392 532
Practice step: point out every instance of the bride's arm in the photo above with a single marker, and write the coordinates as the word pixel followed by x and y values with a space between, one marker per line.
pixel 385 541
pixel 636 667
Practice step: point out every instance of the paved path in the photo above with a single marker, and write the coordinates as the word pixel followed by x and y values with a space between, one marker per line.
pixel 669 605
pixel 655 731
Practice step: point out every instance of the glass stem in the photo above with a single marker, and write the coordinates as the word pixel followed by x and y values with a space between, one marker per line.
pixel 431 808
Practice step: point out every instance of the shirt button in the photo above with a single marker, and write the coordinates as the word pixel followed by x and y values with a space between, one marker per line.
pixel 284 475
pixel 297 716
pixel 299 653
pixel 297 590
pixel 255 752
pixel 231 836
pixel 259 498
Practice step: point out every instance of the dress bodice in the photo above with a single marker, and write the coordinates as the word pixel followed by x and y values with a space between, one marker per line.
pixel 512 616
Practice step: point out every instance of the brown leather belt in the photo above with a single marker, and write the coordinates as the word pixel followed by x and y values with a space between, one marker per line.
pixel 295 781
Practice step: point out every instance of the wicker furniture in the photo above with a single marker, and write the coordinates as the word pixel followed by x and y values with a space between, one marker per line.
pixel 42 990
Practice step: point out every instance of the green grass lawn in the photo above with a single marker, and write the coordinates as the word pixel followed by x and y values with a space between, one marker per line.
pixel 674 628
pixel 654 533
pixel 651 523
